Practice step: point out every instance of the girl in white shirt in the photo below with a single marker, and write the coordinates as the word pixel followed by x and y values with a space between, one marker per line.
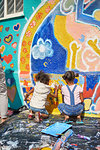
pixel 73 97
pixel 40 92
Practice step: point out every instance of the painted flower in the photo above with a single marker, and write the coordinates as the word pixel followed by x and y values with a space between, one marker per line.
pixel 47 10
pixel 24 43
pixel 23 60
pixel 28 33
pixel 27 67
pixel 42 49
pixel 33 24
pixel 29 43
pixel 39 16
pixel 25 83
pixel 25 50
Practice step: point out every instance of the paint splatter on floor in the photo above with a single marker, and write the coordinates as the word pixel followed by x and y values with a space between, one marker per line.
pixel 20 133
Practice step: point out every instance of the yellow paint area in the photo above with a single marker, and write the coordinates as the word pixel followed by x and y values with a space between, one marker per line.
pixel 53 103
pixel 91 115
pixel 87 104
pixel 74 48
pixel 46 148
pixel 97 15
pixel 93 44
pixel 65 39
pixel 2 48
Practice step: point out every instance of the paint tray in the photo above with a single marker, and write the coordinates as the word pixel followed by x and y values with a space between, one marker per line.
pixel 56 129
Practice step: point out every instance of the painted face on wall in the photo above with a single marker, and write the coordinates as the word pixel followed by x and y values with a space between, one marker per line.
pixel 91 60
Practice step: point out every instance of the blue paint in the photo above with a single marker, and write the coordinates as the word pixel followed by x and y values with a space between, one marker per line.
pixel 82 38
pixel 56 63
pixel 75 81
pixel 91 81
pixel 92 7
pixel 93 108
pixel 84 17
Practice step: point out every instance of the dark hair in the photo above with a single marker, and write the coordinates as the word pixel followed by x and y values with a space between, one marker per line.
pixel 45 78
pixel 42 77
pixel 38 75
pixel 70 75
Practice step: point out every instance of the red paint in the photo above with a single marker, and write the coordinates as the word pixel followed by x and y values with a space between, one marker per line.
pixel 8 58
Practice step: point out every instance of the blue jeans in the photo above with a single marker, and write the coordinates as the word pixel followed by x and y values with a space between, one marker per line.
pixel 43 111
pixel 71 110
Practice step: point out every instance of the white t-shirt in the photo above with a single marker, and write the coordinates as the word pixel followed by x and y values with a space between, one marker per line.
pixel 39 97
pixel 66 94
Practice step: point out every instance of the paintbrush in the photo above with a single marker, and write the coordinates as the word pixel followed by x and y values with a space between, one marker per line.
pixel 59 134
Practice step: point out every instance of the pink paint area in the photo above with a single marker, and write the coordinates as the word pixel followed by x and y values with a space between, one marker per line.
pixel 76 29
pixel 97 108
pixel 82 33
pixel 91 60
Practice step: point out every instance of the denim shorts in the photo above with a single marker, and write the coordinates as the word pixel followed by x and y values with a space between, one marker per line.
pixel 71 110
pixel 43 111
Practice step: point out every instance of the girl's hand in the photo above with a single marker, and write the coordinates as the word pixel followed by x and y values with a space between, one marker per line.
pixel 81 97
pixel 26 96
pixel 56 87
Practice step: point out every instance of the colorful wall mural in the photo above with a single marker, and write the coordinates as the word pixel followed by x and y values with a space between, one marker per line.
pixel 54 36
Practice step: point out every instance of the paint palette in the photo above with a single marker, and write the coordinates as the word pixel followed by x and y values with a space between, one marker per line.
pixel 56 129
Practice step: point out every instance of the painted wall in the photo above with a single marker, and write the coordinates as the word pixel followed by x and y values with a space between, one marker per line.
pixel 54 36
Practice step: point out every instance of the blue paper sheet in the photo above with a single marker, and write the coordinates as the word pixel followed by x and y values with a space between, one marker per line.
pixel 57 128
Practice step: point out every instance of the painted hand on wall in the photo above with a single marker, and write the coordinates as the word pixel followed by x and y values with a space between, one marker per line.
pixel 91 56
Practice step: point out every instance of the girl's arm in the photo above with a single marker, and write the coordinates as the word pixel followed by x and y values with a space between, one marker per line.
pixel 31 91
pixel 56 92
pixel 81 97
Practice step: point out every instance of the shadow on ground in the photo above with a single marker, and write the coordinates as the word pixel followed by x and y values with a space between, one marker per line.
pixel 20 133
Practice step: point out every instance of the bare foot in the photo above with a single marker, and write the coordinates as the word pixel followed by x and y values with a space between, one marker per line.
pixel 66 118
pixel 3 120
pixel 79 118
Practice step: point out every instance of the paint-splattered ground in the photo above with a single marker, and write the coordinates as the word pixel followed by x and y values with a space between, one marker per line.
pixel 20 133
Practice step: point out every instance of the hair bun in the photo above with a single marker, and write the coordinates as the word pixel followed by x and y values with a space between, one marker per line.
pixel 70 75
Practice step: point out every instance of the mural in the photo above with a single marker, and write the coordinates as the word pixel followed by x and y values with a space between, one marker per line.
pixel 57 36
